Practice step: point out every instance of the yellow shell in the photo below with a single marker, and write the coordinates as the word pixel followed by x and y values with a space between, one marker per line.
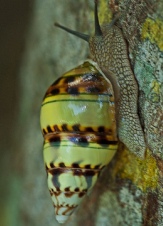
pixel 79 129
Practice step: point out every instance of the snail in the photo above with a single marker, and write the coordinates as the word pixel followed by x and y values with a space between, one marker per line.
pixel 82 114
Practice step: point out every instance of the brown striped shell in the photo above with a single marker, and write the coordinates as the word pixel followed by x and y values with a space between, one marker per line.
pixel 79 129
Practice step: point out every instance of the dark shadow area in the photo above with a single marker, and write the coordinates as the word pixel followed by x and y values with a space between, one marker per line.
pixel 14 21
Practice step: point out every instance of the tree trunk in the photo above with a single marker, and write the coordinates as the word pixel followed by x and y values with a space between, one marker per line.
pixel 129 191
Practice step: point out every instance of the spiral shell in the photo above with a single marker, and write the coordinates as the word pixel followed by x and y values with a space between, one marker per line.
pixel 79 129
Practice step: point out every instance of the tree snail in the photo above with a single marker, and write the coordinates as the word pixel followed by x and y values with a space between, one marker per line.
pixel 78 118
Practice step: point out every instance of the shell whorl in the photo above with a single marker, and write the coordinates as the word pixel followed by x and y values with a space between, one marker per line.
pixel 110 53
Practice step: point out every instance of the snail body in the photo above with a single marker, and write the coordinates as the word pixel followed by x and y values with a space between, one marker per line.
pixel 111 56
pixel 108 49
pixel 80 139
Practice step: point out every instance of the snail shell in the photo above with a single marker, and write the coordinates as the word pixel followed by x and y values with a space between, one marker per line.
pixel 80 138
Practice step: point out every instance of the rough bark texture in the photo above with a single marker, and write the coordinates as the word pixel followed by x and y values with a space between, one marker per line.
pixel 129 192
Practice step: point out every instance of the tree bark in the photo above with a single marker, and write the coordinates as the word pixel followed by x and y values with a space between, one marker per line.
pixel 129 191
